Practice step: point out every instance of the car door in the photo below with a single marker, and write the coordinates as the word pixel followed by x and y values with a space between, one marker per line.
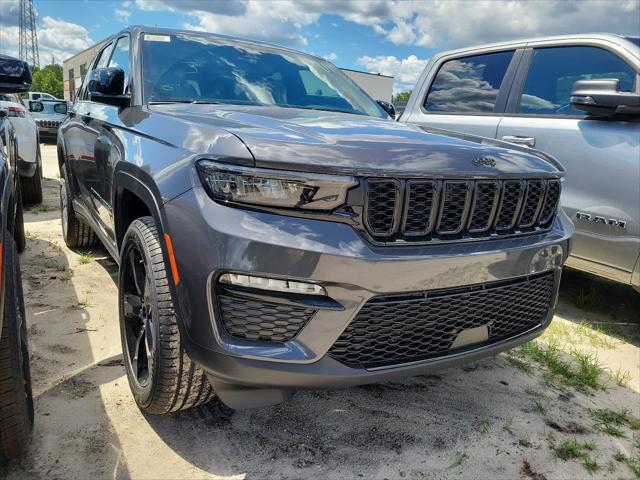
pixel 468 92
pixel 601 191
pixel 105 120
pixel 79 139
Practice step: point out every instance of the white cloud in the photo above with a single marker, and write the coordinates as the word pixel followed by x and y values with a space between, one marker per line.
pixel 405 71
pixel 332 57
pixel 122 15
pixel 57 39
pixel 434 23
pixel 9 13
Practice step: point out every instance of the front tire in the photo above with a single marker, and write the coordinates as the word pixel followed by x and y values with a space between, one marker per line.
pixel 16 398
pixel 161 375
pixel 76 233
pixel 32 186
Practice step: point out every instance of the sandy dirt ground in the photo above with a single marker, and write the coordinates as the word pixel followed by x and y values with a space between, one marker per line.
pixel 487 420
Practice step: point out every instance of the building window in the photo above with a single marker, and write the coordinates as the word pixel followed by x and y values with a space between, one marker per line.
pixel 71 74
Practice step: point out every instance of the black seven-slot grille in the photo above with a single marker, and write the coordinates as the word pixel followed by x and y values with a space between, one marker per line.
pixel 397 329
pixel 423 210
pixel 258 320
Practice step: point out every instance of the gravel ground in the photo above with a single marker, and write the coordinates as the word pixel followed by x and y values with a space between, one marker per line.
pixel 488 419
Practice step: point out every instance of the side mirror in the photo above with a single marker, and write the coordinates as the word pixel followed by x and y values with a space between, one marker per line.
pixel 603 97
pixel 106 85
pixel 35 106
pixel 61 108
pixel 387 107
pixel 15 76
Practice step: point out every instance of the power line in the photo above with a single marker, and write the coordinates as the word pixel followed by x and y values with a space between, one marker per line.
pixel 28 35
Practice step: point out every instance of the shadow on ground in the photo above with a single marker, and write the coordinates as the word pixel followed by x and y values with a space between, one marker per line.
pixel 606 306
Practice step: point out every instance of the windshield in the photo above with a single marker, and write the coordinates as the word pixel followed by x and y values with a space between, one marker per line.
pixel 48 108
pixel 192 67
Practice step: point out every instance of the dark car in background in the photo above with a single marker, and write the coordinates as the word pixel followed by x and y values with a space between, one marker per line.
pixel 16 399
pixel 275 229
pixel 49 115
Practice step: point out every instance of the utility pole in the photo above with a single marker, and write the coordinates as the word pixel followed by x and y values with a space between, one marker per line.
pixel 28 35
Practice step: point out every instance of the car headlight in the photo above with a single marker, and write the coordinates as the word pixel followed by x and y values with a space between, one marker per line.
pixel 256 186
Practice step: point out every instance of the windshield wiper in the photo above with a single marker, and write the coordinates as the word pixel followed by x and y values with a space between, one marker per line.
pixel 161 102
pixel 324 109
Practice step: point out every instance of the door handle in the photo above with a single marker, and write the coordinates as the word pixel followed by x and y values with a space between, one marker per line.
pixel 528 141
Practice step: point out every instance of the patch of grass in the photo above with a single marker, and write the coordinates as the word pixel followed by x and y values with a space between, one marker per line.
pixel 85 303
pixel 609 421
pixel 622 377
pixel 636 440
pixel 572 450
pixel 523 442
pixel 590 465
pixel 85 258
pixel 575 334
pixel 568 450
pixel 519 364
pixel 41 209
pixel 484 425
pixel 58 266
pixel 632 462
pixel 457 461
pixel 581 371
pixel 507 426
pixel 538 406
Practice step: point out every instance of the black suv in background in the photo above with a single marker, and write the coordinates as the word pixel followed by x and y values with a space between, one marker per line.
pixel 276 230
pixel 16 401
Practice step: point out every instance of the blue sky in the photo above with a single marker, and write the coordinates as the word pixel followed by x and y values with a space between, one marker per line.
pixel 391 37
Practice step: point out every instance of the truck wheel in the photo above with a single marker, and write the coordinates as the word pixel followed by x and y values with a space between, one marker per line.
pixel 76 233
pixel 16 399
pixel 161 376
pixel 32 187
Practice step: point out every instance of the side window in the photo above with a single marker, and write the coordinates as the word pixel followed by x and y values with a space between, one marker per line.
pixel 553 71
pixel 468 85
pixel 100 61
pixel 35 96
pixel 120 57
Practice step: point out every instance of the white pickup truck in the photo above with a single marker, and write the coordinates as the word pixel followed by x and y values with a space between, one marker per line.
pixel 575 97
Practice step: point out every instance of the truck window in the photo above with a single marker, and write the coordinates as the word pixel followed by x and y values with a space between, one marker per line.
pixel 120 57
pixel 553 71
pixel 469 84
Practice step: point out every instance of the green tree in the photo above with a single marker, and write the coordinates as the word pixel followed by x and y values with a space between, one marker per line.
pixel 402 96
pixel 48 79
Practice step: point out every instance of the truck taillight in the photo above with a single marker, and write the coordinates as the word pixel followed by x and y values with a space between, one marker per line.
pixel 17 112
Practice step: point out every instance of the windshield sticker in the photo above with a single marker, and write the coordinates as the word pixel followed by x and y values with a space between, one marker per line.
pixel 156 38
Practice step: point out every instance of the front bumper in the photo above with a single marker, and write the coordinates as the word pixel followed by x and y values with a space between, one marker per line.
pixel 209 239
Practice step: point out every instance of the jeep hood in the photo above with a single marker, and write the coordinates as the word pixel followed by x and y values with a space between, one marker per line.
pixel 321 141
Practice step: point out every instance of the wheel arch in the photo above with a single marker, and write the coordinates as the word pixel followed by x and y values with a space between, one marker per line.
pixel 134 195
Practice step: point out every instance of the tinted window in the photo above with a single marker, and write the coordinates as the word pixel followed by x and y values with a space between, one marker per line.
pixel 100 61
pixel 35 96
pixel 469 84
pixel 195 67
pixel 103 57
pixel 120 56
pixel 553 72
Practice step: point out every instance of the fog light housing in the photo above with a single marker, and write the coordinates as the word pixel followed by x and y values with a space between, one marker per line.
pixel 273 284
pixel 546 259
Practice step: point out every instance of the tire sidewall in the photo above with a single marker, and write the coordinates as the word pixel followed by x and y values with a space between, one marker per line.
pixel 134 238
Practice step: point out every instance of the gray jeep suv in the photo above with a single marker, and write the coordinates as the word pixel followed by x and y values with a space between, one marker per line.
pixel 276 230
